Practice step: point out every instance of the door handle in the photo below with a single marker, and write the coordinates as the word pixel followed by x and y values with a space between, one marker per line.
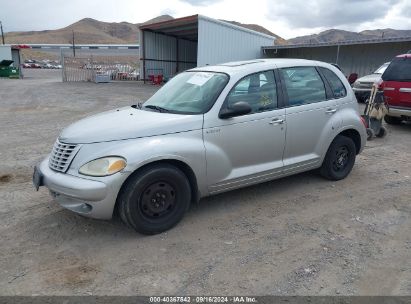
pixel 331 111
pixel 276 121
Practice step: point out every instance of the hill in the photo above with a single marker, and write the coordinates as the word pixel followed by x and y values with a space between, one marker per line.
pixel 87 30
pixel 91 31
pixel 335 35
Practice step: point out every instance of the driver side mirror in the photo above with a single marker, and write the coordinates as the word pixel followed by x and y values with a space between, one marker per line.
pixel 237 109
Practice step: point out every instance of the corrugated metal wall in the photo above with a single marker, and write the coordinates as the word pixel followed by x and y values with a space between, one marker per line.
pixel 362 59
pixel 219 43
pixel 161 54
pixel 187 54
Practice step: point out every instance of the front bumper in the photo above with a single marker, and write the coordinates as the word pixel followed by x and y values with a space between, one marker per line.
pixel 399 112
pixel 87 197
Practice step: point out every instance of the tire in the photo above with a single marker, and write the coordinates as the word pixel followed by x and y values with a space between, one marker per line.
pixel 155 199
pixel 340 159
pixel 370 134
pixel 382 132
pixel 391 120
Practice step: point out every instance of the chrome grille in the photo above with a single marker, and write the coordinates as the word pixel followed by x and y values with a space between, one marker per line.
pixel 62 155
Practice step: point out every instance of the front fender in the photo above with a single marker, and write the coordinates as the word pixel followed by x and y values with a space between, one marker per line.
pixel 186 147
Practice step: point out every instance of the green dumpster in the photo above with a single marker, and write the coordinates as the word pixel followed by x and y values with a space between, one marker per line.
pixel 6 70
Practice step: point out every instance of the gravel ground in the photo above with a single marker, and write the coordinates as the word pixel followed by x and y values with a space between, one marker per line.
pixel 300 235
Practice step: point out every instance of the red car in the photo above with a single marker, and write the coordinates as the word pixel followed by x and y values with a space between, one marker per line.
pixel 396 83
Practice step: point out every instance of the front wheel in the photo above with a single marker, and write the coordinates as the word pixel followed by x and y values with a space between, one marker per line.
pixel 340 158
pixel 155 199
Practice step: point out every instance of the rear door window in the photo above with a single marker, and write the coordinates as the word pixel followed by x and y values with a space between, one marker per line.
pixel 304 85
pixel 337 87
pixel 398 70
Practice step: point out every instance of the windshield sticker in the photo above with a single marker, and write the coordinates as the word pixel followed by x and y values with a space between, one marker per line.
pixel 200 78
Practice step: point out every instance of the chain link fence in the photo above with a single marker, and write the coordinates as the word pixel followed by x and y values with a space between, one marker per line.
pixel 100 68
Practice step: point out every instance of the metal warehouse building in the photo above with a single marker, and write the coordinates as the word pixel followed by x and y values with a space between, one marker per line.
pixel 176 45
pixel 361 57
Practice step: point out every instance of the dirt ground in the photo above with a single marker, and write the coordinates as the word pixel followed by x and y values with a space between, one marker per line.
pixel 300 235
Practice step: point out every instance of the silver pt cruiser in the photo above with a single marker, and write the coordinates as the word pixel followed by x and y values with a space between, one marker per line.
pixel 208 130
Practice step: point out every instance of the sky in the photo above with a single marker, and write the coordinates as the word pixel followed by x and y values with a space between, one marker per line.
pixel 286 18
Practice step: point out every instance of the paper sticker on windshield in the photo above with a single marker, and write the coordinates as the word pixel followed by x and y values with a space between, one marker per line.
pixel 200 78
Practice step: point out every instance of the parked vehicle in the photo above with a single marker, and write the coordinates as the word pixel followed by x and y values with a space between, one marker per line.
pixel 396 84
pixel 208 130
pixel 362 86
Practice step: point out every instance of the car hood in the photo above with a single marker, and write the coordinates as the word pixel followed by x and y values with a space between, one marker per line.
pixel 127 123
pixel 370 78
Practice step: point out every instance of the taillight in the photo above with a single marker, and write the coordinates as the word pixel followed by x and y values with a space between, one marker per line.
pixel 380 85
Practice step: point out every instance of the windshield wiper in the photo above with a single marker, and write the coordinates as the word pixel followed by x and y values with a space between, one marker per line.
pixel 157 108
pixel 139 105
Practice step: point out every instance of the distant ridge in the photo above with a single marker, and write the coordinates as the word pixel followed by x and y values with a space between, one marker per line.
pixel 87 31
pixel 91 31
pixel 335 35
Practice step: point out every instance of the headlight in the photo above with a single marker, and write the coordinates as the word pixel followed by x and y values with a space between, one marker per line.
pixel 356 84
pixel 103 166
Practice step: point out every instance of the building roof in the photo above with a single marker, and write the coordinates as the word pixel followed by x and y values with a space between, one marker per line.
pixel 187 27
pixel 347 42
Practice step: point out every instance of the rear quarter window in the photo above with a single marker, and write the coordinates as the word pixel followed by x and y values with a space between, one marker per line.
pixel 337 87
pixel 398 70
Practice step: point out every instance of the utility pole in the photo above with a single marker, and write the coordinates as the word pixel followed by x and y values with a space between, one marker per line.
pixel 74 46
pixel 2 34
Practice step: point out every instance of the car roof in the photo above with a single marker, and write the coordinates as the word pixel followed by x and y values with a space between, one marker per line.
pixel 250 66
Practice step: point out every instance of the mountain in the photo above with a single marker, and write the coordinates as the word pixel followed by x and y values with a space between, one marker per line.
pixel 335 35
pixel 87 31
pixel 91 31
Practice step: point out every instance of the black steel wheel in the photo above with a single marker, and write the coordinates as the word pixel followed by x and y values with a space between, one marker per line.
pixel 154 199
pixel 157 200
pixel 340 158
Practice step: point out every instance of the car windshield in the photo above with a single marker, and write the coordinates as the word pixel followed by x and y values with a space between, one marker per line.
pixel 188 93
pixel 382 68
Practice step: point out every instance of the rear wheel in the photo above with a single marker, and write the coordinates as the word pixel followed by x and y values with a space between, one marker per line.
pixel 392 120
pixel 340 158
pixel 155 199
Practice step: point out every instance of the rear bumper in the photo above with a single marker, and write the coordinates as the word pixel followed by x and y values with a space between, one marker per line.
pixel 399 111
pixel 87 197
